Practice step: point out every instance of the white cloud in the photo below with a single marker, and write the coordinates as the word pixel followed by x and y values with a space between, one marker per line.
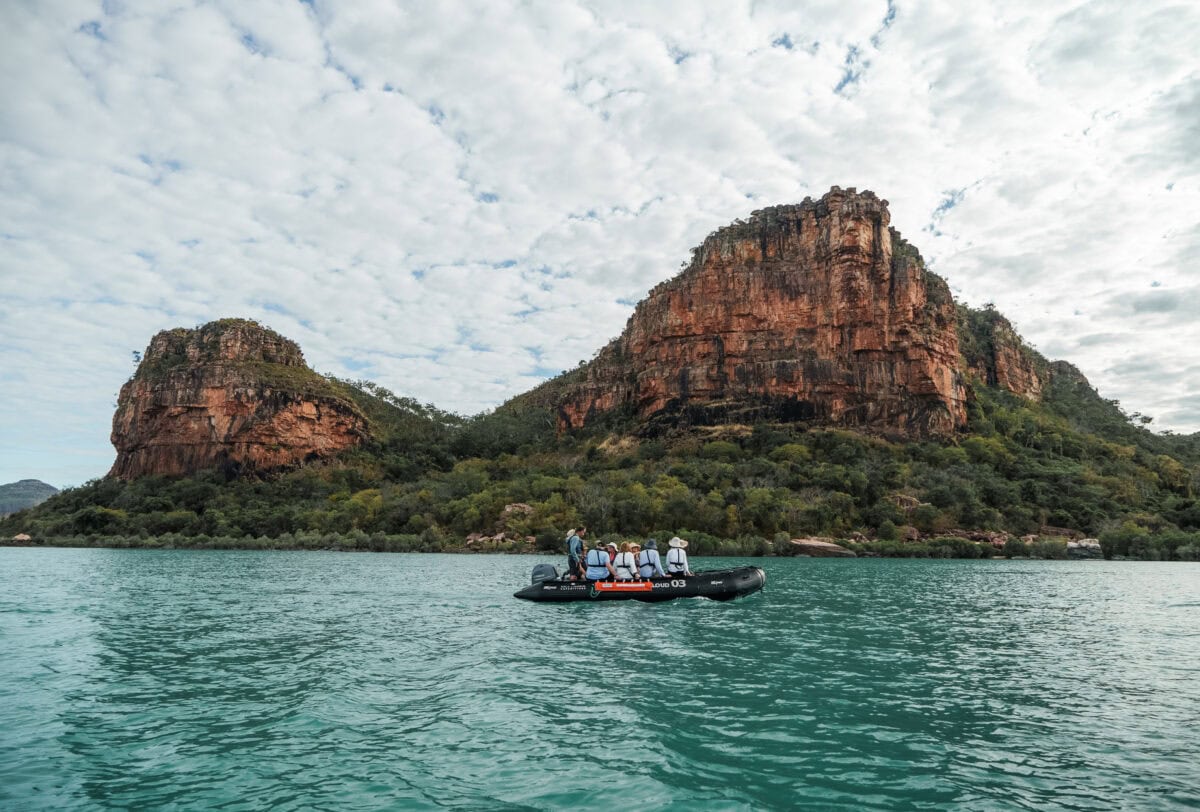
pixel 455 199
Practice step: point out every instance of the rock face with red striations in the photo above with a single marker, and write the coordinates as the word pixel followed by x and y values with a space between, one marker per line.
pixel 812 311
pixel 231 393
pixel 998 356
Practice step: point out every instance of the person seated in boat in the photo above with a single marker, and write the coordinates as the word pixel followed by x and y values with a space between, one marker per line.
pixel 649 561
pixel 636 549
pixel 677 563
pixel 625 565
pixel 599 564
pixel 575 553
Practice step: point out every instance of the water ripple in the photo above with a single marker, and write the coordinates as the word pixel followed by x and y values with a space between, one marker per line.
pixel 245 680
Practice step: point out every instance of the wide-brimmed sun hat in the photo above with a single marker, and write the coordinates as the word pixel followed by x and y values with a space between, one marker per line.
pixel 678 542
pixel 651 545
pixel 610 544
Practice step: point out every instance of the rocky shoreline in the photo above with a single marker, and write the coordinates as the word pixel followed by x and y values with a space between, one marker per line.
pixel 810 547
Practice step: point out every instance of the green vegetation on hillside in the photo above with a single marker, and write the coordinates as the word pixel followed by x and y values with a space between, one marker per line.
pixel 428 479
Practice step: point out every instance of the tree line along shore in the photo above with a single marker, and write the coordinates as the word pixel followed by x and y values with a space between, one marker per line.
pixel 1172 547
pixel 1074 462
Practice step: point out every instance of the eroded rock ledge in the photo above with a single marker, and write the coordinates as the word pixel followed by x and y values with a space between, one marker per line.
pixel 231 393
pixel 813 311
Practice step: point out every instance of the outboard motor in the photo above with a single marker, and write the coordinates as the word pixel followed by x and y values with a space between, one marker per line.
pixel 544 572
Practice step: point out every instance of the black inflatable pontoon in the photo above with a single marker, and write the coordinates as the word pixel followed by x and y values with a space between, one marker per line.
pixel 720 585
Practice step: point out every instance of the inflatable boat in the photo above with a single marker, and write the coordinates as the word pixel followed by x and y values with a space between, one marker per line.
pixel 719 585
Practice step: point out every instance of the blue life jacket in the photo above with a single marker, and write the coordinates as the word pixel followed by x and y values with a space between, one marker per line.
pixel 597 560
pixel 646 563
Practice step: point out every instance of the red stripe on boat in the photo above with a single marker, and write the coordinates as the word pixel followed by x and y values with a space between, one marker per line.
pixel 624 586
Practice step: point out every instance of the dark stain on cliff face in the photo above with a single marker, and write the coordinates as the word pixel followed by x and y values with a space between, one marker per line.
pixel 722 378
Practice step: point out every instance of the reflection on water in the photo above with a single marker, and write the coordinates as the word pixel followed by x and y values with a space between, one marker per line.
pixel 254 680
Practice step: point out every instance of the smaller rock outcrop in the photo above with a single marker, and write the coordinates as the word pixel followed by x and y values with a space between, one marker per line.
pixel 997 355
pixel 1085 549
pixel 231 394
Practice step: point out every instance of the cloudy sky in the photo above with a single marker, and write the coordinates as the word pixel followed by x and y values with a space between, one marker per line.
pixel 458 200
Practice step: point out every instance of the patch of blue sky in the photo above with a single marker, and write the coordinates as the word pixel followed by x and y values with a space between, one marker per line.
pixel 678 55
pixel 354 364
pixel 93 29
pixel 783 41
pixel 170 164
pixel 508 263
pixel 853 71
pixel 330 62
pixel 951 199
pixel 888 19
pixel 252 44
pixel 545 371
pixel 487 197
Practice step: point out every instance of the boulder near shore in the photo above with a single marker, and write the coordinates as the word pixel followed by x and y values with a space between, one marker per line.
pixel 820 548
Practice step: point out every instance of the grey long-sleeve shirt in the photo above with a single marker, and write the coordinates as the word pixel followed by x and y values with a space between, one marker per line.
pixel 649 564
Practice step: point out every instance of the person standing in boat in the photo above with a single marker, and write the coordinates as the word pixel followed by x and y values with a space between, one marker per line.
pixel 575 553
pixel 677 563
pixel 599 564
pixel 649 561
pixel 625 565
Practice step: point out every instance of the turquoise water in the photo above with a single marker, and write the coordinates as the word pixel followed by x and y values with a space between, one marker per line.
pixel 258 680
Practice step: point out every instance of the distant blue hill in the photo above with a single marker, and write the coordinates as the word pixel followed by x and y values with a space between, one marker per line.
pixel 24 494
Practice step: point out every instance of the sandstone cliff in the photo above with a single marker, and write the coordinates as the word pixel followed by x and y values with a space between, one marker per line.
pixel 811 311
pixel 231 393
pixel 994 353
